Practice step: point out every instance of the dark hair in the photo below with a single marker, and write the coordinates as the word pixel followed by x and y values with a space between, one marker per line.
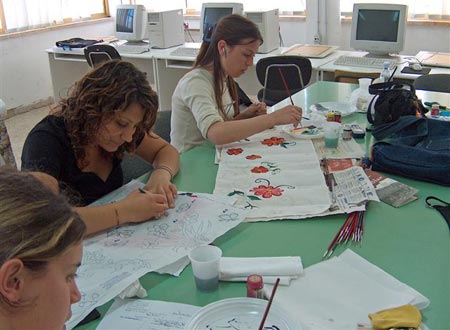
pixel 36 225
pixel 105 90
pixel 234 30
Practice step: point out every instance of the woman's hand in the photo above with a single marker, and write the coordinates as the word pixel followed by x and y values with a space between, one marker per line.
pixel 140 206
pixel 159 183
pixel 289 114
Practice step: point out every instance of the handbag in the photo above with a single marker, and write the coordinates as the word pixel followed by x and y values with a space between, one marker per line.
pixel 76 43
pixel 391 101
pixel 413 147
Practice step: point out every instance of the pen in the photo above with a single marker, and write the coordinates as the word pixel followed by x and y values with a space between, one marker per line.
pixel 142 190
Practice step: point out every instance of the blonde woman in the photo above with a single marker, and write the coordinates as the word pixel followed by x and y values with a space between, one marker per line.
pixel 40 251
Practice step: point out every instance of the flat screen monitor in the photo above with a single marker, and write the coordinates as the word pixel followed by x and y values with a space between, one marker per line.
pixel 378 28
pixel 131 22
pixel 213 11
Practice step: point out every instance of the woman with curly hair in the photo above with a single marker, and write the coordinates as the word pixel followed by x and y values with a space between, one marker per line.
pixel 40 251
pixel 109 111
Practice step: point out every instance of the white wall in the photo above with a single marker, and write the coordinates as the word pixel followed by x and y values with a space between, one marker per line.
pixel 25 74
pixel 24 69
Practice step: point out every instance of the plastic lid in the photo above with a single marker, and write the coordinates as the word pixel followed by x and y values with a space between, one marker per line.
pixel 255 282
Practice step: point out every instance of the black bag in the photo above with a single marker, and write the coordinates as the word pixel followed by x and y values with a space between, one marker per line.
pixel 76 43
pixel 393 100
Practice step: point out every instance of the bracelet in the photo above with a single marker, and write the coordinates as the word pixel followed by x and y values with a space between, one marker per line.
pixel 117 217
pixel 164 167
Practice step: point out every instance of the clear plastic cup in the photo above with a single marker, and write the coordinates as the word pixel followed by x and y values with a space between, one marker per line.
pixel 331 132
pixel 205 262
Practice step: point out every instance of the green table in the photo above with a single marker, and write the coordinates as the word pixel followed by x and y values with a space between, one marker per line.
pixel 411 243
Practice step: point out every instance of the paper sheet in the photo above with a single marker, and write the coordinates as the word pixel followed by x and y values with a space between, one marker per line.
pixel 274 176
pixel 141 314
pixel 340 292
pixel 114 259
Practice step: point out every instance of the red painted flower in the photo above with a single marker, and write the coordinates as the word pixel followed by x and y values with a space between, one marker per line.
pixel 260 169
pixel 253 157
pixel 273 141
pixel 234 151
pixel 267 191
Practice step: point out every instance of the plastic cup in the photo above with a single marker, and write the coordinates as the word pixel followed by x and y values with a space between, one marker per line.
pixel 331 132
pixel 205 262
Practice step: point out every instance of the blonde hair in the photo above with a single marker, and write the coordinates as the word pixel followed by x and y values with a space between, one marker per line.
pixel 35 224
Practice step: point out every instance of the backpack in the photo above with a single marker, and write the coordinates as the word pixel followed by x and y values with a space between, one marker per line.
pixel 413 147
pixel 391 101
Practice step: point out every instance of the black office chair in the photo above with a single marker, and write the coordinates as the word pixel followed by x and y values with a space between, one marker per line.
pixel 96 54
pixel 296 71
pixel 162 124
pixel 439 82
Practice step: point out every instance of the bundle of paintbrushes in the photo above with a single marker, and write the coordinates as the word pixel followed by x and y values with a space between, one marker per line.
pixel 352 230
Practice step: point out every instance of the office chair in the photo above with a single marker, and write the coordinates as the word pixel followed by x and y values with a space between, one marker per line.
pixel 296 71
pixel 96 54
pixel 162 124
pixel 439 82
pixel 352 77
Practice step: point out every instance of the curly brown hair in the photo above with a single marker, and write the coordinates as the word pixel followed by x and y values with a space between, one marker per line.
pixel 100 94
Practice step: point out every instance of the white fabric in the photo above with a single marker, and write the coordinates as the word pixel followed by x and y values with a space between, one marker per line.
pixel 135 289
pixel 338 293
pixel 194 109
pixel 293 167
pixel 237 269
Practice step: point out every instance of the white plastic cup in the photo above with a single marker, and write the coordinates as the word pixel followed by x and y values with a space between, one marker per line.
pixel 205 262
pixel 331 132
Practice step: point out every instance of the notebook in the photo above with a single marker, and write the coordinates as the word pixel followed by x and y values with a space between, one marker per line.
pixel 438 59
pixel 314 51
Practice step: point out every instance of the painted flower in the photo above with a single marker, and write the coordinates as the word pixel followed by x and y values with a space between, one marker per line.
pixel 260 169
pixel 267 191
pixel 234 151
pixel 253 157
pixel 273 141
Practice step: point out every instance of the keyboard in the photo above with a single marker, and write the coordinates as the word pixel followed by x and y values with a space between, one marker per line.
pixel 133 49
pixel 368 62
pixel 185 52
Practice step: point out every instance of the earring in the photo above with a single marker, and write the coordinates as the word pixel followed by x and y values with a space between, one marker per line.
pixel 224 51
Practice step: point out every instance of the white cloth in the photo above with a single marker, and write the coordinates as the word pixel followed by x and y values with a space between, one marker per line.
pixel 340 292
pixel 135 289
pixel 237 269
pixel 194 109
pixel 273 180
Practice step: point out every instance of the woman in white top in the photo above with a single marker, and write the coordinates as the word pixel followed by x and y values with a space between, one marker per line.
pixel 205 103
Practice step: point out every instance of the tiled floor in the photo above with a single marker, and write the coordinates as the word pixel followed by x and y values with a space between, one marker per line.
pixel 20 125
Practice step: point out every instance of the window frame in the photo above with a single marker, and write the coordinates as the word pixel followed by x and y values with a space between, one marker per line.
pixel 66 22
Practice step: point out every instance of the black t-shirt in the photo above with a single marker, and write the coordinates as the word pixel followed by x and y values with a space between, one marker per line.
pixel 48 149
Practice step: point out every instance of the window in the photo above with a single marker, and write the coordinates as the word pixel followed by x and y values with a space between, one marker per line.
pixel 417 9
pixel 19 15
pixel 286 7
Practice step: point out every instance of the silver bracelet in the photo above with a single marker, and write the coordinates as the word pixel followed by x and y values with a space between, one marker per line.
pixel 164 167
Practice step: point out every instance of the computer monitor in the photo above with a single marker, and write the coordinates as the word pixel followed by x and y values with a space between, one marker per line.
pixel 131 23
pixel 213 11
pixel 378 28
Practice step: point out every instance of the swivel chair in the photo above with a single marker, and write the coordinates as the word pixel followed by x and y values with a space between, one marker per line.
pixel 96 54
pixel 433 82
pixel 296 71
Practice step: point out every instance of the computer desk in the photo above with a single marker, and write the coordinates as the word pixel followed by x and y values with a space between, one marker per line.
pixel 163 70
pixel 327 70
pixel 412 243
